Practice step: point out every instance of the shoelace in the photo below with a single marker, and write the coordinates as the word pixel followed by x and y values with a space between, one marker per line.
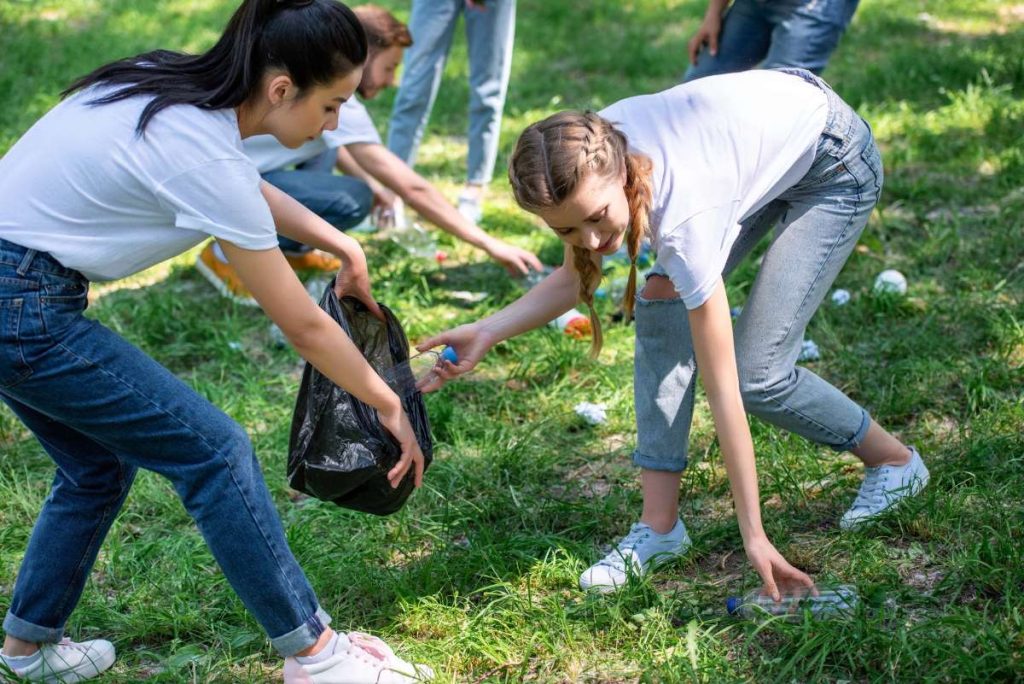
pixel 617 557
pixel 872 490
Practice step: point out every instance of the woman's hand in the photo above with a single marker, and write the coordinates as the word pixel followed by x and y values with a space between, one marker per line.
pixel 470 343
pixel 384 206
pixel 397 423
pixel 775 571
pixel 354 280
pixel 515 260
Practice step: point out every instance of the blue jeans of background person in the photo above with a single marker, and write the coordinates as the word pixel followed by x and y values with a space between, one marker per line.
pixel 489 34
pixel 776 33
pixel 102 409
pixel 342 201
pixel 819 221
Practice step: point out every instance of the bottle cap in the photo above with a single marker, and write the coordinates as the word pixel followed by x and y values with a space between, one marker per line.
pixel 732 604
pixel 449 355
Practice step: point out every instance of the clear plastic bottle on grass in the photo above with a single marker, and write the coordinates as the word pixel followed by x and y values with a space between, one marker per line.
pixel 836 601
pixel 406 377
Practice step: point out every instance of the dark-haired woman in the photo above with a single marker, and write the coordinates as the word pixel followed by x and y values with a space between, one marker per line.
pixel 141 161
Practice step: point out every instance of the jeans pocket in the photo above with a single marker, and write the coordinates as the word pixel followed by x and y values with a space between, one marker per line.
pixel 62 302
pixel 13 367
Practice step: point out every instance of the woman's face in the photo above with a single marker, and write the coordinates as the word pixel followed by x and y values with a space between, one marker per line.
pixel 295 120
pixel 595 216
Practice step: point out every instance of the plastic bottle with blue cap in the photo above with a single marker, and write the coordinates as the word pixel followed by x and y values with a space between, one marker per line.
pixel 407 377
pixel 829 602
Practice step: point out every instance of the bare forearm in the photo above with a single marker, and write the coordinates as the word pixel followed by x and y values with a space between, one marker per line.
pixel 329 349
pixel 434 207
pixel 300 224
pixel 555 295
pixel 716 357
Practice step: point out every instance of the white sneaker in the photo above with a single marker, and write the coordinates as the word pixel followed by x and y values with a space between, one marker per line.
pixel 883 487
pixel 63 663
pixel 357 659
pixel 471 207
pixel 641 550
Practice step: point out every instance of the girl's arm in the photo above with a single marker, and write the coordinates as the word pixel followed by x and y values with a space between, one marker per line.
pixel 711 329
pixel 551 298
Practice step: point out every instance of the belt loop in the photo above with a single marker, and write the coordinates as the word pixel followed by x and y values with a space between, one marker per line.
pixel 26 261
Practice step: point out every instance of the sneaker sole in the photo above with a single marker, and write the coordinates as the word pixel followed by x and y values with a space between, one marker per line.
pixel 222 287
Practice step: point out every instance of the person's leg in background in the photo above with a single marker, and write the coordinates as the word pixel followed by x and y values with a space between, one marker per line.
pixel 432 26
pixel 806 35
pixel 490 35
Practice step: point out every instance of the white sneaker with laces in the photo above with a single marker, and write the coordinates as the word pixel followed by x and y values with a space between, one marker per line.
pixel 357 658
pixel 641 550
pixel 63 663
pixel 471 207
pixel 883 487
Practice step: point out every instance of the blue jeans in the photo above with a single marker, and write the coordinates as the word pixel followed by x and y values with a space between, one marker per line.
pixel 342 201
pixel 776 33
pixel 819 222
pixel 489 34
pixel 102 409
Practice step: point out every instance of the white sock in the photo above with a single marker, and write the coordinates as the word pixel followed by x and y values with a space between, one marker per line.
pixel 338 643
pixel 20 662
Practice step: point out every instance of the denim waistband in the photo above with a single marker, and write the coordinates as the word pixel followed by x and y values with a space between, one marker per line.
pixel 22 260
pixel 841 119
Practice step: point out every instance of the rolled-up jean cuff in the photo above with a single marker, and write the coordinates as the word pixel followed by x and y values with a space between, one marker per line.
pixel 15 627
pixel 858 437
pixel 676 465
pixel 304 636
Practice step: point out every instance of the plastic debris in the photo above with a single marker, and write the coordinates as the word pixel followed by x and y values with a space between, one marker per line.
pixel 573 323
pixel 891 281
pixel 809 351
pixel 736 311
pixel 841 297
pixel 595 414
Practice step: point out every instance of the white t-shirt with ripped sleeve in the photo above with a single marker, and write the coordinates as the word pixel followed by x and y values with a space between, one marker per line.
pixel 83 186
pixel 722 148
pixel 354 126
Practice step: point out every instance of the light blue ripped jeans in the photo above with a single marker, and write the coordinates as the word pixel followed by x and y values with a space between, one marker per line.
pixel 819 222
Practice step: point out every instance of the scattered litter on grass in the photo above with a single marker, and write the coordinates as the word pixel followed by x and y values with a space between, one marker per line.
pixel 891 281
pixel 809 351
pixel 595 414
pixel 467 296
pixel 841 297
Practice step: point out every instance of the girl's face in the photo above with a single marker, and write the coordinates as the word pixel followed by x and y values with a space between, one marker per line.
pixel 295 120
pixel 595 216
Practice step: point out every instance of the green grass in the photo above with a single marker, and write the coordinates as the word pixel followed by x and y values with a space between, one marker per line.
pixel 477 575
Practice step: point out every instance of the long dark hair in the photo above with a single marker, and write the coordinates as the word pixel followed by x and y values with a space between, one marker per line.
pixel 314 41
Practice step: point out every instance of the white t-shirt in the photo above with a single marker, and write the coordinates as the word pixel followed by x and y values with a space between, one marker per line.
pixel 354 126
pixel 81 185
pixel 722 148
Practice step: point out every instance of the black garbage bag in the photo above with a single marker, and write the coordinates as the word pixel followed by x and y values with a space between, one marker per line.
pixel 338 450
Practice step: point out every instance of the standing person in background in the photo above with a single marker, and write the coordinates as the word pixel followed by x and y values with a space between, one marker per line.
pixel 490 32
pixel 769 33
pixel 355 148
pixel 142 161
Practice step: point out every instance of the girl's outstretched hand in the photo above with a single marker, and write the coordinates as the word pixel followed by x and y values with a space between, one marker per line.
pixel 470 344
pixel 775 571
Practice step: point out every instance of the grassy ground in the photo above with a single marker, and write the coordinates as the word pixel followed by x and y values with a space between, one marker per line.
pixel 477 576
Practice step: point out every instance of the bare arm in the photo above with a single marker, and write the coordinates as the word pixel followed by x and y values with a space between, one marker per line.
pixel 709 30
pixel 711 328
pixel 419 194
pixel 555 295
